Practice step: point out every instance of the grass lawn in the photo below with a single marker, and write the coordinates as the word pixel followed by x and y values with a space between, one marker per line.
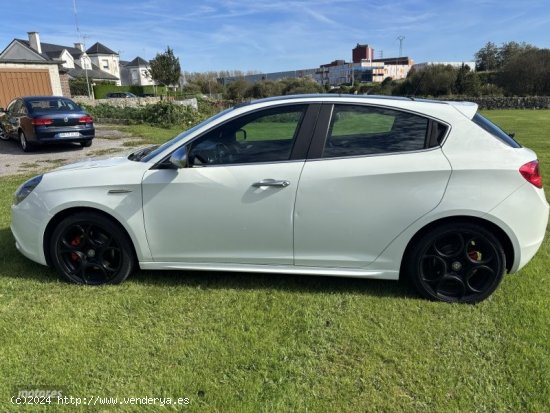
pixel 274 343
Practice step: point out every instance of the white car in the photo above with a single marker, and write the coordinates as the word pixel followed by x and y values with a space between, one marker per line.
pixel 351 186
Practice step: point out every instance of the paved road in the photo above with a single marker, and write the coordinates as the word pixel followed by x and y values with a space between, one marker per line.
pixel 14 161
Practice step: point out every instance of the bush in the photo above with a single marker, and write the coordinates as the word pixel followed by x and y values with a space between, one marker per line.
pixel 164 114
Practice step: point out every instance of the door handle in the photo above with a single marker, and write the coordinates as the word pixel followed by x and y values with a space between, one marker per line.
pixel 271 182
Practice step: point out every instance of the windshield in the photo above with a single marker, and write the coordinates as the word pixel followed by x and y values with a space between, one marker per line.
pixel 180 137
pixel 52 105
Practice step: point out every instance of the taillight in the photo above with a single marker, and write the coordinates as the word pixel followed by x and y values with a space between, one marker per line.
pixel 531 173
pixel 86 119
pixel 42 122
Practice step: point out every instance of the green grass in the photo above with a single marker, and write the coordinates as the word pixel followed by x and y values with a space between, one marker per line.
pixel 150 134
pixel 274 343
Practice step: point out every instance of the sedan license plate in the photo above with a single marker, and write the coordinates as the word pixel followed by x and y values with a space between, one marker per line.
pixel 69 134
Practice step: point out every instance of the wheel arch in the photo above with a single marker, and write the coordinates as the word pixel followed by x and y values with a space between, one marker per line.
pixel 497 231
pixel 61 215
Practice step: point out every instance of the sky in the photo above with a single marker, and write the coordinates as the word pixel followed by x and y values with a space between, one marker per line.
pixel 272 35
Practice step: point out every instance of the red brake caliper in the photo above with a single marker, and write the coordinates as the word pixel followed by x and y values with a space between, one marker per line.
pixel 75 243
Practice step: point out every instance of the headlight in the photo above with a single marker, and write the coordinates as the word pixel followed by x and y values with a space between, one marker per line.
pixel 24 190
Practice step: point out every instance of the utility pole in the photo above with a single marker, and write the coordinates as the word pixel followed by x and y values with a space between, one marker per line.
pixel 82 40
pixel 400 38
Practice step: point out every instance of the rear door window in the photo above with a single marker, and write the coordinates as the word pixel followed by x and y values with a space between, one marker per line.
pixel 363 130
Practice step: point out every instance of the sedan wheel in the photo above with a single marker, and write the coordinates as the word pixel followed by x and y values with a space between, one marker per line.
pixel 87 248
pixel 457 263
pixel 3 135
pixel 25 145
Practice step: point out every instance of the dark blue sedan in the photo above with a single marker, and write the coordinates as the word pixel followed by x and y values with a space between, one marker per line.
pixel 37 120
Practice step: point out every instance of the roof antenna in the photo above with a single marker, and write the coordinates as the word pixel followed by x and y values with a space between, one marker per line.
pixel 419 82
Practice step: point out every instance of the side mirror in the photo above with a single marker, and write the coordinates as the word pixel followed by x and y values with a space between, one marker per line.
pixel 179 158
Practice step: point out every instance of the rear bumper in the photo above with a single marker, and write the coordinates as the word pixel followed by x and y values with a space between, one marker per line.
pixel 78 133
pixel 527 228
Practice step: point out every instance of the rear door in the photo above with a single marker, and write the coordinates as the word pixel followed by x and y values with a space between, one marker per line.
pixel 370 174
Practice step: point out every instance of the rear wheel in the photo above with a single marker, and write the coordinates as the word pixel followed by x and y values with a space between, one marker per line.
pixel 86 144
pixel 88 248
pixel 457 263
pixel 25 145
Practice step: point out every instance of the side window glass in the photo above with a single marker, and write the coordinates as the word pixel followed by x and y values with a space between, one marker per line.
pixel 16 109
pixel 10 107
pixel 264 136
pixel 363 130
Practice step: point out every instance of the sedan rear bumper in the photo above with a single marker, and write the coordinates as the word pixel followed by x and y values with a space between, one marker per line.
pixel 79 133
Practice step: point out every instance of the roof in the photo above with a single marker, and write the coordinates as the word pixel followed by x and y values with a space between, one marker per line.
pixel 93 73
pixel 99 48
pixel 138 61
pixel 468 109
pixel 51 49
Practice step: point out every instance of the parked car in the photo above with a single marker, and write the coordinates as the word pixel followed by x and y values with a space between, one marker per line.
pixel 120 95
pixel 345 186
pixel 35 120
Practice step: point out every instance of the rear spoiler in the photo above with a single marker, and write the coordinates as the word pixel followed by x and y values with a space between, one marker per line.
pixel 468 109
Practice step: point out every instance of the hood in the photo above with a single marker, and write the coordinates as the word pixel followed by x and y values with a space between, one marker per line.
pixel 95 163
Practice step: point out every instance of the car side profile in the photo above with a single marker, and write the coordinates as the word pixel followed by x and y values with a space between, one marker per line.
pixel 37 120
pixel 120 95
pixel 351 186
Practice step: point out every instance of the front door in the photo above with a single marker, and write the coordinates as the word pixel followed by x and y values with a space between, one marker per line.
pixel 235 201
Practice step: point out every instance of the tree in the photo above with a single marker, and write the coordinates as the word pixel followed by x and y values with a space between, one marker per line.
pixel 78 86
pixel 264 89
pixel 165 68
pixel 294 86
pixel 527 73
pixel 236 90
pixel 487 58
pixel 432 80
pixel 510 50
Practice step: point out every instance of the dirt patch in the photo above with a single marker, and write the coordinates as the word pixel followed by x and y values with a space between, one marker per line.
pixel 106 143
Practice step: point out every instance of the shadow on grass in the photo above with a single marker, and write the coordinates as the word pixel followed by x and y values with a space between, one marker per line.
pixel 15 265
pixel 283 282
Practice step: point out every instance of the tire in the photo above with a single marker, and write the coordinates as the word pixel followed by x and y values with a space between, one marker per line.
pixel 3 135
pixel 88 248
pixel 456 262
pixel 24 143
pixel 86 144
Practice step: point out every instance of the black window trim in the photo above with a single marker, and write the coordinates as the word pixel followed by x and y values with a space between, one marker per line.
pixel 300 147
pixel 320 134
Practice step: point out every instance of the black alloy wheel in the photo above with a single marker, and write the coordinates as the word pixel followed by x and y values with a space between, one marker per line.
pixel 88 248
pixel 457 262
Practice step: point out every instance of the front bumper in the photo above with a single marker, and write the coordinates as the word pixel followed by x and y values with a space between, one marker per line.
pixel 27 226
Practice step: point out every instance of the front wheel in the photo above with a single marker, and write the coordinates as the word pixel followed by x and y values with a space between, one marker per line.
pixel 88 248
pixel 3 135
pixel 457 263
pixel 86 144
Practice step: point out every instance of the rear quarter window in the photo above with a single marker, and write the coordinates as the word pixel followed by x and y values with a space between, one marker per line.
pixel 494 130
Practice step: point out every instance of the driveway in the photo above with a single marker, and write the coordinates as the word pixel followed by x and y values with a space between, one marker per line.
pixel 107 142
